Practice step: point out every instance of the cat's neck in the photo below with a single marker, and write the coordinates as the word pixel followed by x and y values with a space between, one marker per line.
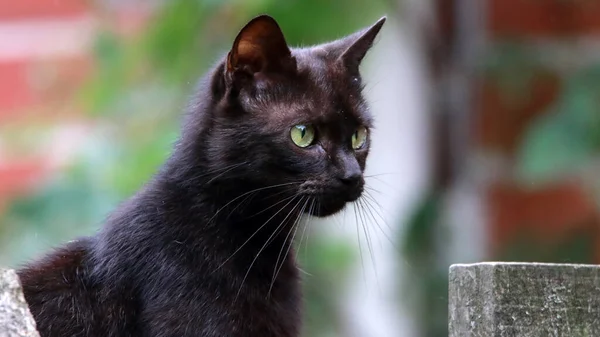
pixel 239 220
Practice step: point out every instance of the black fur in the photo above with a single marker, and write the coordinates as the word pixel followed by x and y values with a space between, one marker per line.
pixel 203 248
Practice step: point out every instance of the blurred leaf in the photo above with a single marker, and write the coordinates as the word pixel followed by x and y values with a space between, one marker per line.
pixel 426 283
pixel 512 66
pixel 567 137
pixel 420 229
pixel 576 248
pixel 109 79
pixel 326 261
pixel 64 208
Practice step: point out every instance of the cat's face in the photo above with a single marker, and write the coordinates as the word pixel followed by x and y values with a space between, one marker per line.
pixel 296 117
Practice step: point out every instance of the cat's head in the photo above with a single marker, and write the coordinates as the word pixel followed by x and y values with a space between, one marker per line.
pixel 294 118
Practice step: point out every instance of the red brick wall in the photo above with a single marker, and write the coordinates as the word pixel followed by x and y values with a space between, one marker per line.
pixel 543 18
pixel 45 57
pixel 42 9
pixel 38 75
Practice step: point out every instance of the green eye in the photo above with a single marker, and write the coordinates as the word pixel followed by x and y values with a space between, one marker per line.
pixel 302 135
pixel 359 138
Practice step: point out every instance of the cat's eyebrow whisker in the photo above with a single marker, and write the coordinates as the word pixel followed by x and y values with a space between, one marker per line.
pixel 267 242
pixel 251 236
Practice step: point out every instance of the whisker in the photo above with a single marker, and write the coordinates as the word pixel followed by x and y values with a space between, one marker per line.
pixel 361 216
pixel 291 243
pixel 246 200
pixel 382 181
pixel 378 212
pixel 288 235
pixel 336 219
pixel 220 169
pixel 246 193
pixel 273 205
pixel 371 188
pixel 233 167
pixel 344 211
pixel 371 211
pixel 251 236
pixel 266 243
pixel 362 263
pixel 370 214
pixel 367 234
pixel 381 174
pixel 311 209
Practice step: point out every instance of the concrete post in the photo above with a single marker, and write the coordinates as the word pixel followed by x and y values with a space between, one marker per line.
pixel 15 318
pixel 524 299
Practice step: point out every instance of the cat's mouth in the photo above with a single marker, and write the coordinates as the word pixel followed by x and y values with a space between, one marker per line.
pixel 330 199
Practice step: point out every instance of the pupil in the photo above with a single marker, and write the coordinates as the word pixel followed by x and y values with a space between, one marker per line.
pixel 302 132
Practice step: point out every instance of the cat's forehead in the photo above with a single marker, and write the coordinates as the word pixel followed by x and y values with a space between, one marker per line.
pixel 320 92
pixel 324 89
pixel 320 66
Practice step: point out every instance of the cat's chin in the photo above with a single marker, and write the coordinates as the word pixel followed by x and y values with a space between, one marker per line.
pixel 328 208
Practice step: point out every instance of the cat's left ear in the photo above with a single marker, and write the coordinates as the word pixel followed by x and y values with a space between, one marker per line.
pixel 358 44
pixel 260 47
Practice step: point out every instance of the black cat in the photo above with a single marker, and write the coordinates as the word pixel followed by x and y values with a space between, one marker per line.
pixel 203 249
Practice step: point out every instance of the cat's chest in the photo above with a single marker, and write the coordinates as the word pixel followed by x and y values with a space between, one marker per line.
pixel 269 307
pixel 278 316
pixel 223 304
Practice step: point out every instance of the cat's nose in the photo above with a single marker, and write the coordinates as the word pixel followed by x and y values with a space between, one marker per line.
pixel 351 179
pixel 350 173
pixel 353 185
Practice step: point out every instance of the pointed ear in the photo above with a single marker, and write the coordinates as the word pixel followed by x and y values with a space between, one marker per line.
pixel 358 44
pixel 259 47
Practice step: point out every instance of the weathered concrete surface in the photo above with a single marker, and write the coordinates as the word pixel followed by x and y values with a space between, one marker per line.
pixel 524 299
pixel 15 318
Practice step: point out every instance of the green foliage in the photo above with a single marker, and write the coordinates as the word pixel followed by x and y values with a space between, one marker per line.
pixel 577 248
pixel 421 228
pixel 326 262
pixel 70 205
pixel 426 283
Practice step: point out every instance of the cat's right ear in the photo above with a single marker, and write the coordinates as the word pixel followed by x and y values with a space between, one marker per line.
pixel 259 47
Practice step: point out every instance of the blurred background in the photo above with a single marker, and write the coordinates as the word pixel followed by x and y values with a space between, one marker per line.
pixel 487 144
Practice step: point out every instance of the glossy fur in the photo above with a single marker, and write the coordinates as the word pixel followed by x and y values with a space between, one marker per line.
pixel 203 248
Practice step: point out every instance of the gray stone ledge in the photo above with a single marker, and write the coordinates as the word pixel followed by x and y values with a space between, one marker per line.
pixel 504 299
pixel 15 317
